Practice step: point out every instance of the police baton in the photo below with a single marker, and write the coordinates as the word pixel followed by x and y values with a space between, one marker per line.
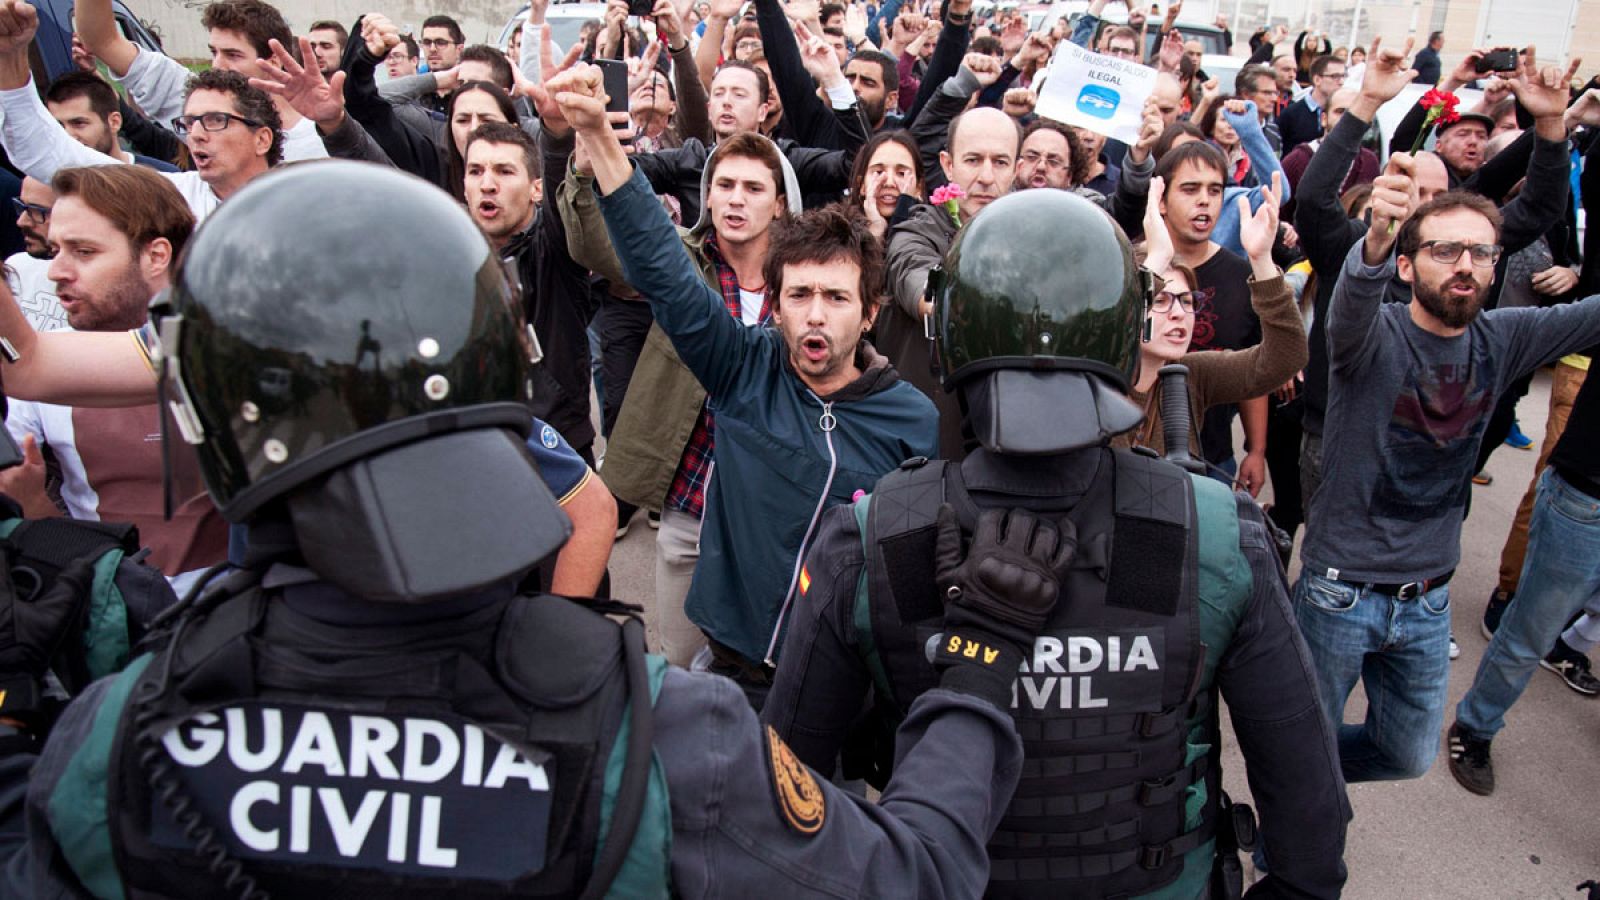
pixel 1175 415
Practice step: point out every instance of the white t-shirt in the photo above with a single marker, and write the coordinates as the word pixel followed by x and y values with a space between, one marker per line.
pixel 750 306
pixel 36 293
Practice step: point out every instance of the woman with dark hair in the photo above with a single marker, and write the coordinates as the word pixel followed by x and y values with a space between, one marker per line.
pixel 887 167
pixel 467 107
pixel 1221 134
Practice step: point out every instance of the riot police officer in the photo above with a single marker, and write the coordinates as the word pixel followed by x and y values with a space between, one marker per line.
pixel 367 707
pixel 1175 594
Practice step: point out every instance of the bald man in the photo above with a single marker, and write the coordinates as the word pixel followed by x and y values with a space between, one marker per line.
pixel 980 156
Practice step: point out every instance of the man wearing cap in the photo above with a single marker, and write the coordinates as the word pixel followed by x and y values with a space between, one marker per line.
pixel 1461 144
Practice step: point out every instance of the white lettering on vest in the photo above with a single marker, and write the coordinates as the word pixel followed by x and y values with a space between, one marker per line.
pixel 507 763
pixel 371 741
pixel 417 732
pixel 208 742
pixel 429 853
pixel 1140 656
pixel 350 832
pixel 239 740
pixel 262 840
pixel 314 744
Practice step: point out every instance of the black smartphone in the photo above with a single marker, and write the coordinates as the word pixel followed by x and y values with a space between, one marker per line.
pixel 1504 60
pixel 641 7
pixel 614 78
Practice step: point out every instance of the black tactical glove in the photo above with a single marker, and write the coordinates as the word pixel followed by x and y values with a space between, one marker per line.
pixel 997 596
pixel 32 634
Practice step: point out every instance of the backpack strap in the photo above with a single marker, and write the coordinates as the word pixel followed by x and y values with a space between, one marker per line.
pixel 617 839
pixel 44 547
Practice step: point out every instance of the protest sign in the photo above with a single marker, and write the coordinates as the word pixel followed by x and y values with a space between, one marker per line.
pixel 1104 94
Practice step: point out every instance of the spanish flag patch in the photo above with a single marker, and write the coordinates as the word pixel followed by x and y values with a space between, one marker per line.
pixel 805 580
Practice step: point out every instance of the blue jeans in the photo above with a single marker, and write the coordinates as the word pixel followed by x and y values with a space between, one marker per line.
pixel 1400 650
pixel 1559 577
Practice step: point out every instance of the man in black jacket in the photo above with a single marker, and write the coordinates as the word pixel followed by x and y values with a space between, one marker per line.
pixel 511 196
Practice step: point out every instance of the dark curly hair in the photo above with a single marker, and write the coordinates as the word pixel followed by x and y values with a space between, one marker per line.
pixel 251 103
pixel 834 233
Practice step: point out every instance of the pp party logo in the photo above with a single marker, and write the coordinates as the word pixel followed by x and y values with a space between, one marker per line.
pixel 1099 102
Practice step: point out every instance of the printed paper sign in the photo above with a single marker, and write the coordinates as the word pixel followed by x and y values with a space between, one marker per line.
pixel 1104 94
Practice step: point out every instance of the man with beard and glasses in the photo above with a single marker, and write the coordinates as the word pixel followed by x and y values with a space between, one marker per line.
pixel 1410 390
pixel 29 271
pixel 117 232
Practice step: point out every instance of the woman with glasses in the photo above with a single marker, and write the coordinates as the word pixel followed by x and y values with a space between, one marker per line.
pixel 1175 313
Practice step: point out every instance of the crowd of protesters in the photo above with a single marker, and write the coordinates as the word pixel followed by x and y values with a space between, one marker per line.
pixel 1370 314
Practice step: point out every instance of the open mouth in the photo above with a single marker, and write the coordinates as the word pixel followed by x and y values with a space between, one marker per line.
pixel 488 209
pixel 1461 289
pixel 1202 223
pixel 734 221
pixel 814 347
pixel 201 158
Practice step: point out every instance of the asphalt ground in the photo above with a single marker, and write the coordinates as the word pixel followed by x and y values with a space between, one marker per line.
pixel 1537 837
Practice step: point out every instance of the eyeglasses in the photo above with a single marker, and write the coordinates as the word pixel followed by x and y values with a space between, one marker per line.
pixel 32 210
pixel 1163 300
pixel 211 121
pixel 1447 252
pixel 1033 158
pixel 1333 76
pixel 1124 52
pixel 437 43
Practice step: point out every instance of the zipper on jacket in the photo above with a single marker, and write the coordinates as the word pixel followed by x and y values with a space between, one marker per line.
pixel 827 422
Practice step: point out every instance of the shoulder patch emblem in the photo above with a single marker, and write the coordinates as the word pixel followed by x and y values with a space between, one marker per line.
pixel 799 797
pixel 549 438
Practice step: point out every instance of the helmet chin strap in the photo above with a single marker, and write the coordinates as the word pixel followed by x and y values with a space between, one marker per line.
pixel 1002 410
pixel 386 527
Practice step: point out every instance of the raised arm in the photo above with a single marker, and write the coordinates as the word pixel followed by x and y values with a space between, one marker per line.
pixel 73 368
pixel 713 344
pixel 1543 200
pixel 694 115
pixel 97 28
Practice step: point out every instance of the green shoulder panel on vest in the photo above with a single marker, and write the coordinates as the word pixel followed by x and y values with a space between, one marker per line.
pixel 77 810
pixel 105 641
pixel 647 871
pixel 861 612
pixel 1225 584
pixel 1225 581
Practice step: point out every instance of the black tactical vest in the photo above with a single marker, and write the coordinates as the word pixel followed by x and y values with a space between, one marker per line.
pixel 462 758
pixel 1105 698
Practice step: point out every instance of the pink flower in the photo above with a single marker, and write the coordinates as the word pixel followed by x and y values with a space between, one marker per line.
pixel 947 193
pixel 857 495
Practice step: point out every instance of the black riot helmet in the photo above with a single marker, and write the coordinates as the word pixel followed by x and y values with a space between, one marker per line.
pixel 373 378
pixel 1037 313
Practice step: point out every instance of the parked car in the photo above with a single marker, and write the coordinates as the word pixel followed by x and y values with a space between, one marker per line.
pixel 51 53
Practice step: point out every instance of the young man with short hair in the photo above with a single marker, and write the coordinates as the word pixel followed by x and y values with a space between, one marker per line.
pixel 87 108
pixel 1410 392
pixel 510 187
pixel 441 43
pixel 118 231
pixel 659 456
pixel 239 36
pixel 1195 175
pixel 807 413
pixel 402 60
pixel 1300 121
pixel 327 38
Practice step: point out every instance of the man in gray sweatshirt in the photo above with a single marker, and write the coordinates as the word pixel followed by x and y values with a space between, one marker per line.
pixel 1411 388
